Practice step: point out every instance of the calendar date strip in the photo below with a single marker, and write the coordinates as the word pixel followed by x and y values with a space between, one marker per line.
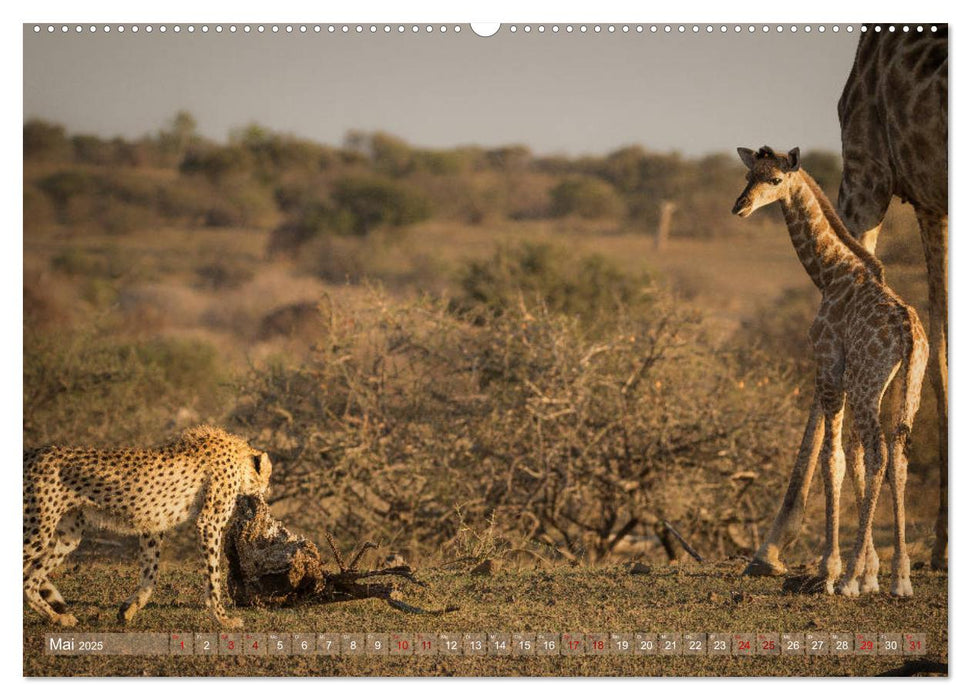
pixel 511 644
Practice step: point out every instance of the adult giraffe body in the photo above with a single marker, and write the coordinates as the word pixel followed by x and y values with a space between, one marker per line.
pixel 893 118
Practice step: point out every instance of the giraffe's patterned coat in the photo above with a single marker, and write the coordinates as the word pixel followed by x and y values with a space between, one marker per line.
pixel 865 340
pixel 893 118
pixel 135 491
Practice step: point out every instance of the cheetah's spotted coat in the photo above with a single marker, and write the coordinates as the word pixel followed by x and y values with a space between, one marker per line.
pixel 134 491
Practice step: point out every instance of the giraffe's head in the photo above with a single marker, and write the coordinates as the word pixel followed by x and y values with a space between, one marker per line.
pixel 769 176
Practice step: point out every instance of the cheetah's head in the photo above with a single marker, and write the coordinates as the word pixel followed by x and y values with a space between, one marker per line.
pixel 256 474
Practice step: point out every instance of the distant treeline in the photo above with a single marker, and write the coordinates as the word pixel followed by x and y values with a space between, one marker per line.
pixel 303 189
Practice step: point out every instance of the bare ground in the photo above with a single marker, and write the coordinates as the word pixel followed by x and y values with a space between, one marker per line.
pixel 687 598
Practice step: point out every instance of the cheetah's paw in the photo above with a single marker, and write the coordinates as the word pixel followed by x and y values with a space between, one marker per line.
pixel 66 620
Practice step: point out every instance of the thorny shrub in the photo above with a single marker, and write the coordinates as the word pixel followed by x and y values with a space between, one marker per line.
pixel 415 426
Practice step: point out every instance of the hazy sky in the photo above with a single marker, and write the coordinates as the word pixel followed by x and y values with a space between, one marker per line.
pixel 557 93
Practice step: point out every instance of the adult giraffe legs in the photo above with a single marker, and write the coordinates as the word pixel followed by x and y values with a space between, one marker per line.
pixel 933 233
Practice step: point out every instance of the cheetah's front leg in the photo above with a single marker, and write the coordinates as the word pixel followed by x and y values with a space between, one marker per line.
pixel 150 546
pixel 212 541
pixel 212 522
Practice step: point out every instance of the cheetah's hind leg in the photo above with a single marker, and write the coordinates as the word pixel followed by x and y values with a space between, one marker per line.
pixel 45 546
pixel 67 537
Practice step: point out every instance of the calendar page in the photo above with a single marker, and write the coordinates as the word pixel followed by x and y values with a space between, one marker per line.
pixel 537 349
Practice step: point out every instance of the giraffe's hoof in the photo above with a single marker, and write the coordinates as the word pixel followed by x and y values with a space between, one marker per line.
pixel 902 589
pixel 850 589
pixel 871 585
pixel 66 620
pixel 761 567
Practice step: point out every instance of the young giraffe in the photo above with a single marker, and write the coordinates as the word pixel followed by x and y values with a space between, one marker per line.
pixel 893 115
pixel 865 339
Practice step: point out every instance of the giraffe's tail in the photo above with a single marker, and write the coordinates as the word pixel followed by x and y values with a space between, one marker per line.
pixel 912 368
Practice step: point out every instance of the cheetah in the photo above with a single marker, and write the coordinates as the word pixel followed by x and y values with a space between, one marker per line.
pixel 145 492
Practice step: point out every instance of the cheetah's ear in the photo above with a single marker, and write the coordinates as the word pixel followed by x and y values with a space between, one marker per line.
pixel 257 462
pixel 793 159
pixel 747 155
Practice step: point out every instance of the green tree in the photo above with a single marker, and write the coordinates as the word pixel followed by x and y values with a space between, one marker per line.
pixel 586 197
pixel 180 133
pixel 363 203
pixel 826 168
pixel 45 141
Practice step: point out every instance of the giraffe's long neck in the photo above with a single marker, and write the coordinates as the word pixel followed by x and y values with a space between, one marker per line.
pixel 829 258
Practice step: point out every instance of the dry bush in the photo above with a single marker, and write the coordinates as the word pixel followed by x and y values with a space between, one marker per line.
pixel 225 273
pixel 39 212
pixel 414 426
pixel 590 288
pixel 780 330
pixel 47 305
pixel 300 319
pixel 390 257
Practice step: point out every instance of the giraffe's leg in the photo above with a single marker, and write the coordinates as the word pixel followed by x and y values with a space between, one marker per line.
pixel 150 546
pixel 858 474
pixel 933 230
pixel 67 537
pixel 866 415
pixel 833 467
pixel 898 480
pixel 785 527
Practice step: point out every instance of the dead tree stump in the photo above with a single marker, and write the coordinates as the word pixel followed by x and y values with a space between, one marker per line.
pixel 664 224
pixel 271 566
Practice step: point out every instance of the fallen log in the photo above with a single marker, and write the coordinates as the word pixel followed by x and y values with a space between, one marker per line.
pixel 270 566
